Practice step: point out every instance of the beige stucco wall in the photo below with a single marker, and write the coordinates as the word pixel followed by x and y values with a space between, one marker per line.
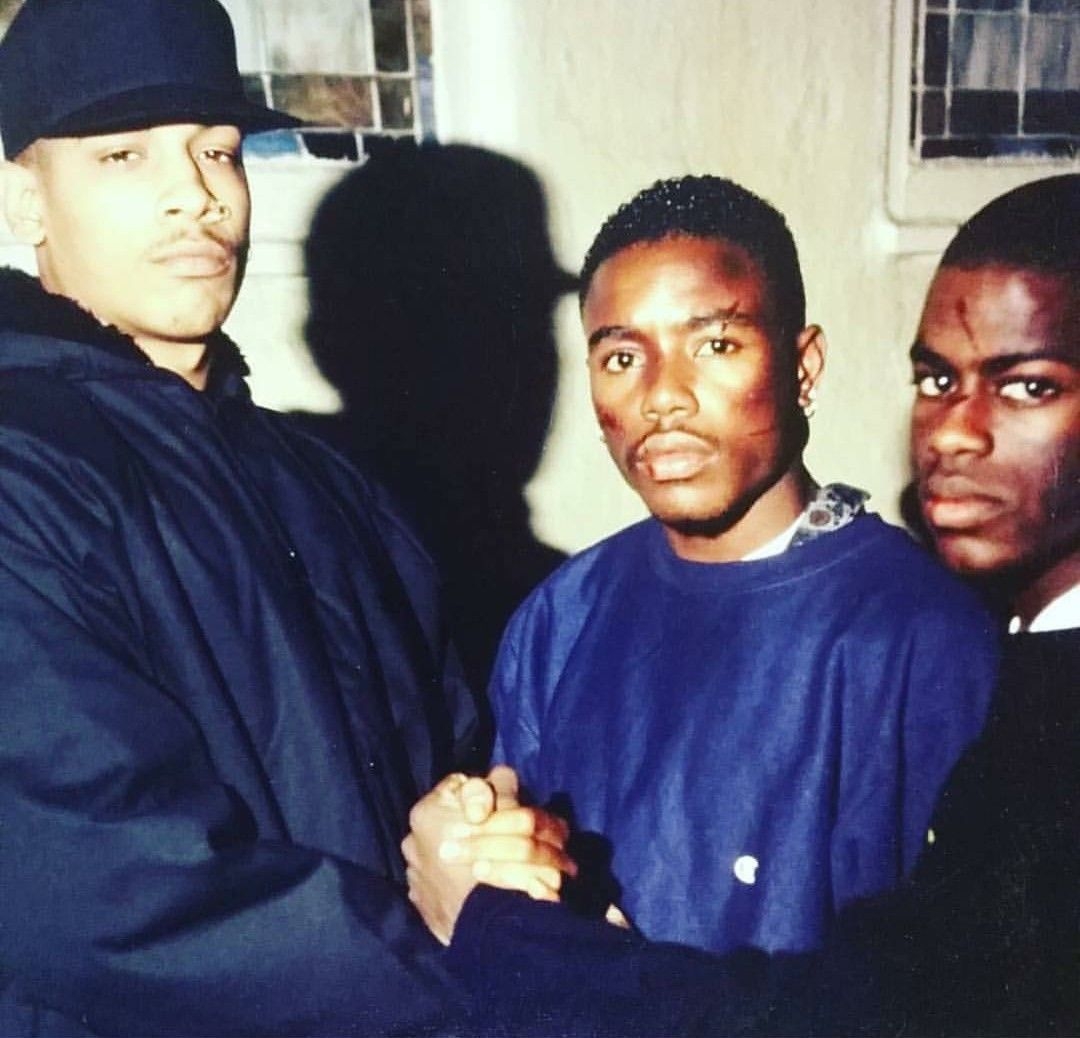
pixel 789 97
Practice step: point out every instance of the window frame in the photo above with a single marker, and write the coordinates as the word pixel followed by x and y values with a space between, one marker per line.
pixel 929 193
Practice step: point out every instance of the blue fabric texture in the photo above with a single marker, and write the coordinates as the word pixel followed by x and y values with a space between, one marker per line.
pixel 225 680
pixel 753 744
pixel 982 939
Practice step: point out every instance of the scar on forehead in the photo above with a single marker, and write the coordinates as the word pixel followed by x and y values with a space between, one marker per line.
pixel 962 316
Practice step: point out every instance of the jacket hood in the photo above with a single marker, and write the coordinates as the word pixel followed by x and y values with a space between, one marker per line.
pixel 80 341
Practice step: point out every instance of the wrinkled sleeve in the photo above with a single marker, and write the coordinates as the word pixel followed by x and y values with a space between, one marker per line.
pixel 535 968
pixel 137 895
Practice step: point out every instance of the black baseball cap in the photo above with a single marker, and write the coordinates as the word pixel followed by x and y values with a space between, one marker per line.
pixel 76 68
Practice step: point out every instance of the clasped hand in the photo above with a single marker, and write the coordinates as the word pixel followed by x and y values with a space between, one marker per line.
pixel 472 830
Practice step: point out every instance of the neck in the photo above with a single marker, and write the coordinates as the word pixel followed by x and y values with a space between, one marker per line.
pixel 1035 595
pixel 732 537
pixel 189 360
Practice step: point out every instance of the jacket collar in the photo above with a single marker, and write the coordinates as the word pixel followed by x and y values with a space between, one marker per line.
pixel 26 308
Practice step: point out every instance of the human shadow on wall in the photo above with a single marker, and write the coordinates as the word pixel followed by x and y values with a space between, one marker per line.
pixel 432 290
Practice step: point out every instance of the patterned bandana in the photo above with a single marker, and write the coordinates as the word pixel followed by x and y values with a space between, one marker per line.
pixel 832 507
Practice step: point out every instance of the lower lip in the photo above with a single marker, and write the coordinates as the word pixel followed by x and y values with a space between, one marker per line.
pixel 672 466
pixel 959 513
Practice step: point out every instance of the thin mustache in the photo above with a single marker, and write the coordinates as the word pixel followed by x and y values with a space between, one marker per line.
pixel 194 238
pixel 949 486
pixel 641 448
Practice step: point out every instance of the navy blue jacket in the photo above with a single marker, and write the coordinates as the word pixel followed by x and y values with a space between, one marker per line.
pixel 225 680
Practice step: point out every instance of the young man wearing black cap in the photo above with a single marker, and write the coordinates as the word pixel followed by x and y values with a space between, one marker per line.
pixel 225 676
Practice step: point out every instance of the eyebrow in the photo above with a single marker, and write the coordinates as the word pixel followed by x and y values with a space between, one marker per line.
pixel 721 315
pixel 922 354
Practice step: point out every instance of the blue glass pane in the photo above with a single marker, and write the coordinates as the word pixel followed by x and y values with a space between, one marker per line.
pixel 1053 54
pixel 985 52
pixel 273 143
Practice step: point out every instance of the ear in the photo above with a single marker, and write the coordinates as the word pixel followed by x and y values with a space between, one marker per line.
pixel 22 203
pixel 810 346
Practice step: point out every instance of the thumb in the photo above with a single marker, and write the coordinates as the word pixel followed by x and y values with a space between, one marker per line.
pixel 477 800
pixel 504 782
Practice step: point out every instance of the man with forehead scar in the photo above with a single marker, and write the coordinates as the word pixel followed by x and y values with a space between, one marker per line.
pixel 748 701
pixel 995 429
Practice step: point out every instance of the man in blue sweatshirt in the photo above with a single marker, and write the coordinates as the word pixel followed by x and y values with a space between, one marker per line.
pixel 748 702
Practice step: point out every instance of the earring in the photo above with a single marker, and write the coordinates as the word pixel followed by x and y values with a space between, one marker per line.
pixel 808 402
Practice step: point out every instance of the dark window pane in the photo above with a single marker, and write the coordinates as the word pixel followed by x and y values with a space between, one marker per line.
pixel 327 100
pixel 396 104
pixel 1053 7
pixel 983 112
pixel 913 101
pixel 935 50
pixel 941 4
pixel 332 145
pixel 388 25
pixel 987 5
pixel 1048 112
pixel 933 113
pixel 989 147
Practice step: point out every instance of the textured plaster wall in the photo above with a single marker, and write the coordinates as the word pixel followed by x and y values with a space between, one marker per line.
pixel 789 97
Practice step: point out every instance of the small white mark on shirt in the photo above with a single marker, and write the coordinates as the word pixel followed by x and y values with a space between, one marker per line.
pixel 745 869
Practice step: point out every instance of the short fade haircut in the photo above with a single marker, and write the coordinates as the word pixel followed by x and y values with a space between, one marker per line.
pixel 709 207
pixel 1033 227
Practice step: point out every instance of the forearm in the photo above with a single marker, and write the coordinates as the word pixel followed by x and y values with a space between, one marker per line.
pixel 536 968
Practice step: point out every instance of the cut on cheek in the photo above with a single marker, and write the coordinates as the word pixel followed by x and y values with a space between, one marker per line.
pixel 608 421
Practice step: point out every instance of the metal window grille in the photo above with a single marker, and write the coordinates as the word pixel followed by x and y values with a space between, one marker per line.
pixel 351 69
pixel 995 78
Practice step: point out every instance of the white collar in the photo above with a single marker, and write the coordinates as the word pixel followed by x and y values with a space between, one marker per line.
pixel 777 546
pixel 1062 614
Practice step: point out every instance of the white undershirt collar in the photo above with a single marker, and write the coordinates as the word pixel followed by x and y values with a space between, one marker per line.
pixel 1062 614
pixel 777 546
